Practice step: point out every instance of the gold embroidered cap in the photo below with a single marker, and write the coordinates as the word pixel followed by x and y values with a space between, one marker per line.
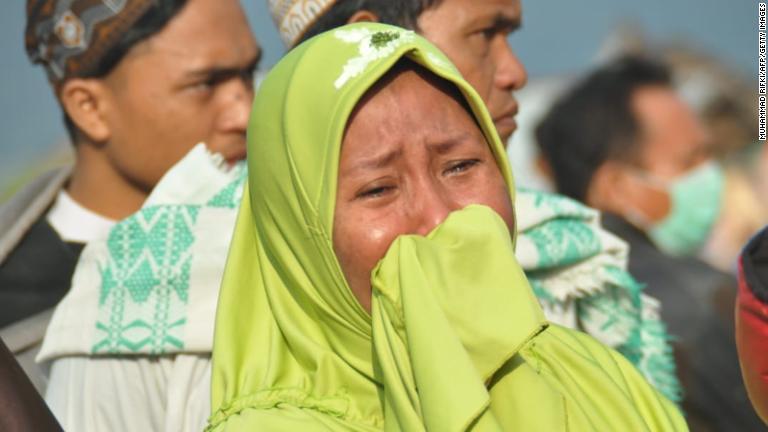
pixel 294 17
pixel 70 37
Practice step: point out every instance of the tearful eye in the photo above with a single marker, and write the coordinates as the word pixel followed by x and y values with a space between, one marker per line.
pixel 461 166
pixel 375 192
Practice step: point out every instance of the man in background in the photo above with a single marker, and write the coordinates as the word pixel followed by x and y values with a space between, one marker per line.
pixel 624 142
pixel 140 82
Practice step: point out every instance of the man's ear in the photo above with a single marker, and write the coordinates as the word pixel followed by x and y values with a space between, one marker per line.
pixel 544 168
pixel 605 191
pixel 363 16
pixel 85 102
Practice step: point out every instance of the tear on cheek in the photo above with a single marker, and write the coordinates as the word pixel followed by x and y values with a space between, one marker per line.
pixel 377 235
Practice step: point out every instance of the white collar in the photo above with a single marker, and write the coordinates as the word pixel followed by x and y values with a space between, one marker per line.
pixel 75 223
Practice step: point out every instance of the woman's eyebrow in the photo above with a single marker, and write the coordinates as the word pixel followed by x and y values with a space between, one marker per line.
pixel 445 146
pixel 440 147
pixel 378 161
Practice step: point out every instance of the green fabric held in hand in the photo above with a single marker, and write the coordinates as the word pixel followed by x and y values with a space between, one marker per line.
pixel 449 310
pixel 456 340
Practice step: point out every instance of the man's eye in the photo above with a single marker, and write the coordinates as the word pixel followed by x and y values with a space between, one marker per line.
pixel 249 77
pixel 250 71
pixel 461 166
pixel 203 86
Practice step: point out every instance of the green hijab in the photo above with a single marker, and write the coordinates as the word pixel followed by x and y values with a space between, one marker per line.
pixel 455 340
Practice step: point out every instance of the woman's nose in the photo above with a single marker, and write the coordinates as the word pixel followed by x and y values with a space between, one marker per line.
pixel 431 205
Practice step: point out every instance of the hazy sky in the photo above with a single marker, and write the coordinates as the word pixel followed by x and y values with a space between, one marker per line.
pixel 557 37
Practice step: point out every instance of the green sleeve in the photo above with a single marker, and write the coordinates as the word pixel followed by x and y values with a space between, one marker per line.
pixel 601 389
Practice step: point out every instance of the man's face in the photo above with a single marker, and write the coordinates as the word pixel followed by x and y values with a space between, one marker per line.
pixel 672 143
pixel 473 34
pixel 189 83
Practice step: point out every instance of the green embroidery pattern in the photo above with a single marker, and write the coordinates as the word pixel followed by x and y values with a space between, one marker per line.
pixel 371 46
pixel 539 291
pixel 557 205
pixel 562 242
pixel 146 279
pixel 563 237
pixel 230 196
pixel 381 39
pixel 646 344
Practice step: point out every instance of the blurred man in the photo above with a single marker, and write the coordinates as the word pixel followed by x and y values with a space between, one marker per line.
pixel 623 142
pixel 140 82
pixel 560 240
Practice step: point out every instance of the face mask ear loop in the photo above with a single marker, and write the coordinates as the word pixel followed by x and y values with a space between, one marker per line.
pixel 637 219
pixel 634 216
pixel 650 179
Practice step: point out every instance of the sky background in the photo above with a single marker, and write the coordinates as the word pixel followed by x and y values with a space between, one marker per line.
pixel 557 38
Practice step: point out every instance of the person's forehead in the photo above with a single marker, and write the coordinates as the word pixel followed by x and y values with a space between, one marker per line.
pixel 203 32
pixel 470 10
pixel 408 107
pixel 416 90
pixel 661 110
pixel 669 127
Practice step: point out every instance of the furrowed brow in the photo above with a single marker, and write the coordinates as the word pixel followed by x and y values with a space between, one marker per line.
pixel 380 161
pixel 445 146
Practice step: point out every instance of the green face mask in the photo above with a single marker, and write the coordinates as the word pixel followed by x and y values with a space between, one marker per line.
pixel 695 204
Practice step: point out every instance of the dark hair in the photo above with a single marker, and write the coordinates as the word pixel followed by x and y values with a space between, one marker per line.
pixel 402 13
pixel 153 20
pixel 594 122
pixel 754 261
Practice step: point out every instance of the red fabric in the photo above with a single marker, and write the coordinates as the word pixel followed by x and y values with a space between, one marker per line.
pixel 752 343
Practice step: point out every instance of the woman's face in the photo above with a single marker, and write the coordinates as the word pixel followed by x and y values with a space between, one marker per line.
pixel 411 154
